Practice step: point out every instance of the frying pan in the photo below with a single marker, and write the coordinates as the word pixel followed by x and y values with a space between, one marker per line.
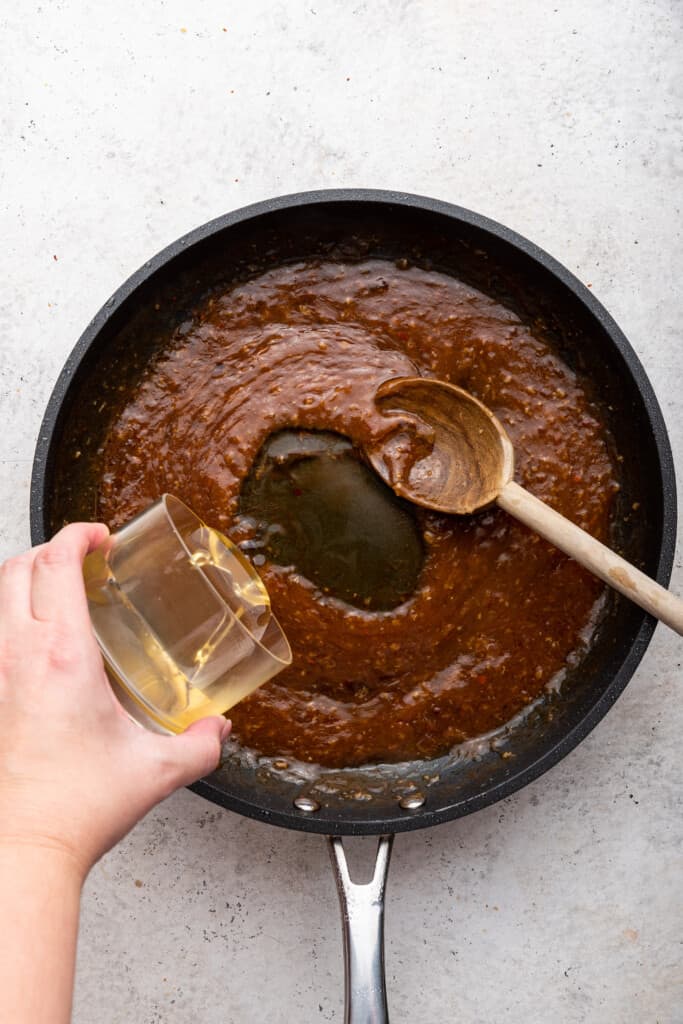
pixel 351 225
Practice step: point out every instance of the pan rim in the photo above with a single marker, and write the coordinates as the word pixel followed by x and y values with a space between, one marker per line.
pixel 425 817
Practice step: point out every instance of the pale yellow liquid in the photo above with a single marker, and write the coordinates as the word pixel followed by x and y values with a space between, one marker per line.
pixel 167 667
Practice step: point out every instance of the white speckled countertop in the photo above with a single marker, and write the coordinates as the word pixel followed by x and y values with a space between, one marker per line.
pixel 124 126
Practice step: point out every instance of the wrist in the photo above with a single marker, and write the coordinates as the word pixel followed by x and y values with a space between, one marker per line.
pixel 40 890
pixel 43 857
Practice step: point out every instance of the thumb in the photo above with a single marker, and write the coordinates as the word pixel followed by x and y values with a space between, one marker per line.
pixel 196 752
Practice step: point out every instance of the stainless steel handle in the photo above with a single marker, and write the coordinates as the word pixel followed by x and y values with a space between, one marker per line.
pixel 362 909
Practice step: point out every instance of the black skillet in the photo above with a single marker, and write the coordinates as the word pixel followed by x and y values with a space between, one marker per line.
pixel 350 225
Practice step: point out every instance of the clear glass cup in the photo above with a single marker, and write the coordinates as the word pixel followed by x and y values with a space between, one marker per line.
pixel 182 618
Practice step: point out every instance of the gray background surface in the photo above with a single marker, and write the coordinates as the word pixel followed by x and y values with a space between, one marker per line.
pixel 127 124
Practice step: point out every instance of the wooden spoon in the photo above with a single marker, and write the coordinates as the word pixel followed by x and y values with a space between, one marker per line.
pixel 471 464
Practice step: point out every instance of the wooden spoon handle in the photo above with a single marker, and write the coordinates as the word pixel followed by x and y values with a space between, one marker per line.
pixel 593 555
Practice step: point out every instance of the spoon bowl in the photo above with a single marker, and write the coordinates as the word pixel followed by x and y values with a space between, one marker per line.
pixel 471 457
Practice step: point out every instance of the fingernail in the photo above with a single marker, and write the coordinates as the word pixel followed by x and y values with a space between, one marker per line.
pixel 225 729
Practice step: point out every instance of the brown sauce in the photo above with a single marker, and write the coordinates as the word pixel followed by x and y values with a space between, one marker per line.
pixel 496 616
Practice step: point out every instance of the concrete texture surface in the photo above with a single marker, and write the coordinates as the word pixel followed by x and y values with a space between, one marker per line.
pixel 123 126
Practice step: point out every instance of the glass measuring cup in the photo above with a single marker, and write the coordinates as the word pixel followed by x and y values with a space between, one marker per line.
pixel 182 618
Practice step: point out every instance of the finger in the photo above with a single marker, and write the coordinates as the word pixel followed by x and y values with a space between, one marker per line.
pixel 194 753
pixel 57 588
pixel 15 592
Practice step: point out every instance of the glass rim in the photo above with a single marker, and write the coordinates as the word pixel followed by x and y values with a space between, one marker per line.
pixel 235 552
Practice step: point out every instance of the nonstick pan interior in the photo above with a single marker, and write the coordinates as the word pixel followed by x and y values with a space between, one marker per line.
pixel 352 225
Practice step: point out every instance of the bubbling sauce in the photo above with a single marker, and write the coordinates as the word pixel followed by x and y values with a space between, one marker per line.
pixel 490 617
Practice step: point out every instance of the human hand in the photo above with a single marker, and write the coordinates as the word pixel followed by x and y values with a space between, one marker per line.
pixel 75 773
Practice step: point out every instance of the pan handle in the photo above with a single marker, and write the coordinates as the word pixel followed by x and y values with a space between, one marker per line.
pixel 362 908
